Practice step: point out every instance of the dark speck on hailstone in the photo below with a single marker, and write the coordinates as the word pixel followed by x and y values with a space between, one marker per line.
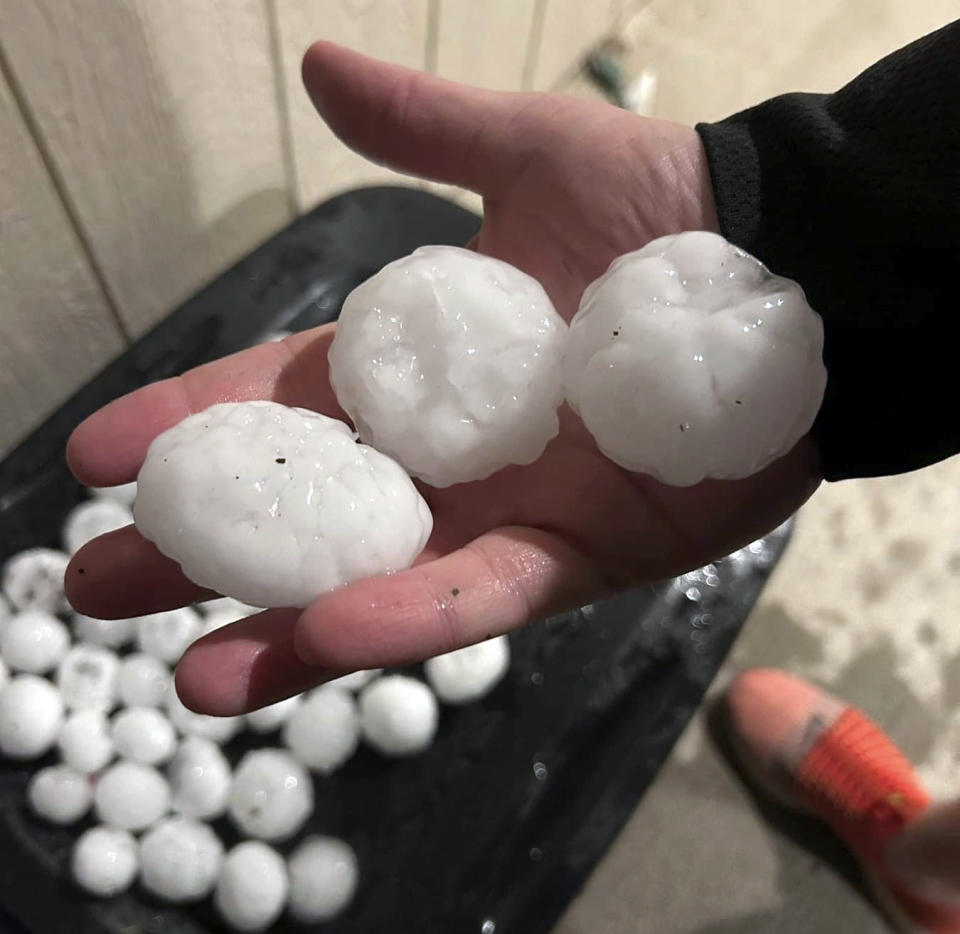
pixel 281 460
pixel 455 591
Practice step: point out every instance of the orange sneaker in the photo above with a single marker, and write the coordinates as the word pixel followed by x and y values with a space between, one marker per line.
pixel 814 753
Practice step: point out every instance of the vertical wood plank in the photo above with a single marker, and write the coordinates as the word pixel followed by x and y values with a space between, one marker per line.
pixel 485 44
pixel 57 327
pixel 161 121
pixel 570 29
pixel 395 30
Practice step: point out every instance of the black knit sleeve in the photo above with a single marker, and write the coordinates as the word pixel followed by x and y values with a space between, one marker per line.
pixel 856 195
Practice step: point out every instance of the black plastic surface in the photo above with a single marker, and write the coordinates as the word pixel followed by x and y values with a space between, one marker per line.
pixel 495 828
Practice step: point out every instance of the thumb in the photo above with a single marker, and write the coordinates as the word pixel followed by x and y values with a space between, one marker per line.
pixel 416 122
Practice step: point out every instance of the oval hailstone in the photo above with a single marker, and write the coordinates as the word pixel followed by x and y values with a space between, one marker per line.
pixel 274 506
pixel 451 362
pixel 689 359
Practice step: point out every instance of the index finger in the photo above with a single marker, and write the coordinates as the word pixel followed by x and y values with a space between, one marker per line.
pixel 109 447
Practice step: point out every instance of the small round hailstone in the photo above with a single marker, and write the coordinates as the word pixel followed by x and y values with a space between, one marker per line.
pixel 33 579
pixel 87 678
pixel 200 779
pixel 323 732
pixel 323 879
pixel 268 719
pixel 85 741
pixel 34 642
pixel 180 859
pixel 467 674
pixel 219 729
pixel 689 359
pixel 143 681
pixel 452 363
pixel 398 715
pixel 143 734
pixel 31 712
pixel 124 494
pixel 105 861
pixel 166 635
pixel 59 794
pixel 305 509
pixel 272 795
pixel 356 680
pixel 92 518
pixel 110 633
pixel 131 796
pixel 252 888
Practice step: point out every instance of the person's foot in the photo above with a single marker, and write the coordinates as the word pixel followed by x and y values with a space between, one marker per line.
pixel 812 752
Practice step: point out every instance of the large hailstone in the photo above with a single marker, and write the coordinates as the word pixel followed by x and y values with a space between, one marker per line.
pixel 398 715
pixel 324 730
pixel 272 795
pixel 451 362
pixel 105 861
pixel 31 714
pixel 33 579
pixel 87 678
pixel 85 741
pixel 59 794
pixel 323 879
pixel 274 505
pixel 35 642
pixel 131 796
pixel 200 779
pixel 689 359
pixel 252 887
pixel 180 859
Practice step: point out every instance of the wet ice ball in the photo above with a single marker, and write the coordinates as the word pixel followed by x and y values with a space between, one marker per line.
pixel 131 796
pixel 272 795
pixel 252 888
pixel 31 713
pixel 34 641
pixel 59 794
pixel 180 859
pixel 398 715
pixel 105 861
pixel 324 730
pixel 323 878
pixel 467 674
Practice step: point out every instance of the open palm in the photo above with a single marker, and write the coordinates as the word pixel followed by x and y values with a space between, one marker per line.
pixel 568 184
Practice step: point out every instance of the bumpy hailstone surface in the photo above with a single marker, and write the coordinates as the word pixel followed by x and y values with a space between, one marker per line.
pixel 200 779
pixel 689 359
pixel 85 741
pixel 31 713
pixel 59 794
pixel 252 887
pixel 268 719
pixel 34 579
pixel 356 680
pixel 467 674
pixel 167 635
pixel 180 859
pixel 323 878
pixel 272 795
pixel 143 681
pixel 131 796
pixel 105 861
pixel 323 732
pixel 126 493
pixel 143 734
pixel 398 715
pixel 451 362
pixel 219 729
pixel 274 506
pixel 92 518
pixel 35 642
pixel 110 633
pixel 87 677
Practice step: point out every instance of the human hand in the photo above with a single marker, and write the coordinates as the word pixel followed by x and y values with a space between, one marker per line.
pixel 568 185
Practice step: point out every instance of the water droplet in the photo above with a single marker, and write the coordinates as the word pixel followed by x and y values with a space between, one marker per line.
pixel 489 926
pixel 536 678
pixel 536 854
pixel 539 771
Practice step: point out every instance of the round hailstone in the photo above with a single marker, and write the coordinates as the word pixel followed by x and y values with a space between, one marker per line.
pixel 689 359
pixel 87 678
pixel 110 633
pixel 180 859
pixel 31 712
pixel 268 719
pixel 219 729
pixel 305 509
pixel 450 362
pixel 356 680
pixel 143 681
pixel 398 715
pixel 125 494
pixel 34 642
pixel 143 734
pixel 105 861
pixel 324 730
pixel 92 518
pixel 468 674
pixel 323 878
pixel 200 779
pixel 167 635
pixel 59 794
pixel 131 796
pixel 272 795
pixel 252 889
pixel 33 579
pixel 85 742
